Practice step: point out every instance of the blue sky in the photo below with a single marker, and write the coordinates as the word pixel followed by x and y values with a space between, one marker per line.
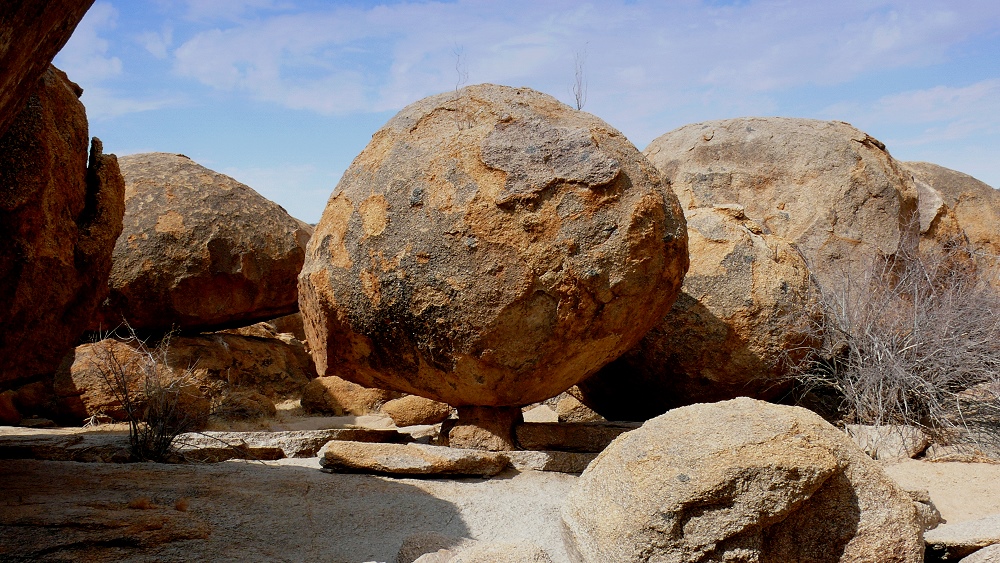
pixel 283 94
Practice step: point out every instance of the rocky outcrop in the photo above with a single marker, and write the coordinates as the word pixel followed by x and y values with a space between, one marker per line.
pixel 739 480
pixel 490 246
pixel 957 210
pixel 337 396
pixel 829 189
pixel 60 214
pixel 747 313
pixel 33 32
pixel 200 250
pixel 952 542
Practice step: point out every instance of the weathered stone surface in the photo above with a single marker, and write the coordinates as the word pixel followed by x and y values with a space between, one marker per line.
pixel 831 190
pixel 33 32
pixel 8 411
pixel 200 250
pixel 245 404
pixel 927 513
pixel 57 445
pixel 411 409
pixel 339 397
pixel 418 545
pixel 490 552
pixel 490 246
pixel 961 539
pixel 222 363
pixel 294 443
pixel 738 480
pixel 746 315
pixel 989 554
pixel 570 409
pixel 973 205
pixel 579 437
pixel 409 459
pixel 59 218
pixel 561 462
pixel 484 428
pixel 889 442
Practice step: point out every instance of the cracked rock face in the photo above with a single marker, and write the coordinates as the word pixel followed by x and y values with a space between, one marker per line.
pixel 740 480
pixel 490 247
pixel 200 250
pixel 59 217
pixel 831 190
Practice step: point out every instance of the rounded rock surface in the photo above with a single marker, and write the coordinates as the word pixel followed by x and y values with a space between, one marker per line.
pixel 828 188
pixel 490 247
pixel 740 480
pixel 200 250
pixel 60 214
pixel 746 315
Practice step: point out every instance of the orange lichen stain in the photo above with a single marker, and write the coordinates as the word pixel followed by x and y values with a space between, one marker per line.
pixel 170 222
pixel 423 258
pixel 333 229
pixel 371 287
pixel 374 213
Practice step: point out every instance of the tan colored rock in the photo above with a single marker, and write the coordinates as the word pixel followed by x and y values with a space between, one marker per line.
pixel 409 459
pixel 484 428
pixel 973 205
pixel 561 462
pixel 276 368
pixel 200 250
pixel 245 404
pixel 746 315
pixel 989 554
pixel 490 246
pixel 290 324
pixel 411 409
pixel 497 552
pixel 739 480
pixel 570 409
pixel 339 397
pixel 60 214
pixel 964 538
pixel 417 545
pixel 827 188
pixel 889 442
pixel 927 512
pixel 34 31
pixel 293 443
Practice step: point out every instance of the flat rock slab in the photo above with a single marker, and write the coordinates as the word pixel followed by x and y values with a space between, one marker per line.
pixel 257 512
pixel 964 538
pixel 573 437
pixel 409 459
pixel 562 462
pixel 295 443
pixel 989 554
pixel 960 491
pixel 59 445
pixel 889 442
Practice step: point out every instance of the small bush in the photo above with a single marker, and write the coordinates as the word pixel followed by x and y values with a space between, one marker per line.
pixel 913 341
pixel 158 403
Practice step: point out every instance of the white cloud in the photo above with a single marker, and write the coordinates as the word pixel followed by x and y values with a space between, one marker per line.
pixel 157 42
pixel 85 56
pixel 103 104
pixel 345 59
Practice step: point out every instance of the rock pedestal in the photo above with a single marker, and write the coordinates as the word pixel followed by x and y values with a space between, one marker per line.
pixel 485 428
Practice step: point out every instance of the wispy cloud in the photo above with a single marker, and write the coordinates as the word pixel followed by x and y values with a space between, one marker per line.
pixel 86 53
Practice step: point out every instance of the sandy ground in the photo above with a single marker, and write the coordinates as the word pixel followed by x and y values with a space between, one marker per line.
pixel 961 491
pixel 283 511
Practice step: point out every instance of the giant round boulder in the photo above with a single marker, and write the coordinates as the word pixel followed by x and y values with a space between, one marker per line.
pixel 747 314
pixel 831 190
pixel 491 247
pixel 739 480
pixel 60 213
pixel 200 250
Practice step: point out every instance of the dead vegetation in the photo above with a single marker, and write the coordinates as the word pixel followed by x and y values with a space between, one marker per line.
pixel 915 340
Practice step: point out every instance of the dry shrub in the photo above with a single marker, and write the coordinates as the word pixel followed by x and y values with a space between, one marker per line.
pixel 158 403
pixel 913 341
